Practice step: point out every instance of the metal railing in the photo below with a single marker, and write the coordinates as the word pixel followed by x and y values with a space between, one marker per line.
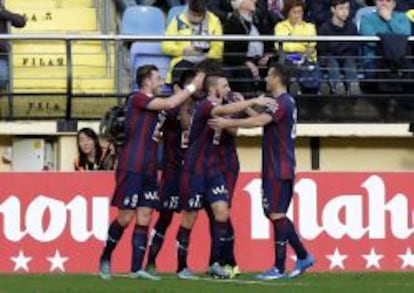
pixel 120 40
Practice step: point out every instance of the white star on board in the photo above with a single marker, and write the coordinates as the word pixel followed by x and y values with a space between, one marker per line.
pixel 337 259
pixel 57 261
pixel 407 258
pixel 372 259
pixel 21 261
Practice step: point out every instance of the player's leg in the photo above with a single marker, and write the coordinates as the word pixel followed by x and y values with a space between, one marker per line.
pixel 122 199
pixel 169 204
pixel 191 200
pixel 147 202
pixel 217 196
pixel 277 198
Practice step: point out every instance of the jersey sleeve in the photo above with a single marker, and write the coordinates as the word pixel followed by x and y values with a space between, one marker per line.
pixel 205 109
pixel 277 113
pixel 140 101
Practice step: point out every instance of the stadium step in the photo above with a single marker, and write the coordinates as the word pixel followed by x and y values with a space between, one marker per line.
pixel 35 4
pixel 55 106
pixel 80 85
pixel 57 47
pixel 58 20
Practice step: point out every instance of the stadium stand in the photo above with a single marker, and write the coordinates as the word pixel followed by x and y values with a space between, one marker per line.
pixel 40 67
pixel 174 11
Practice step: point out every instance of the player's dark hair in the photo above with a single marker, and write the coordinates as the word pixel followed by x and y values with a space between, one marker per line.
pixel 83 158
pixel 335 3
pixel 143 73
pixel 211 80
pixel 209 66
pixel 186 76
pixel 282 71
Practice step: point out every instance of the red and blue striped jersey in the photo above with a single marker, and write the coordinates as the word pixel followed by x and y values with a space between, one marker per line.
pixel 202 156
pixel 139 153
pixel 278 142
pixel 173 153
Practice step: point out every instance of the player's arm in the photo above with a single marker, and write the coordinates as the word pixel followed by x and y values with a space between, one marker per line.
pixel 159 104
pixel 233 108
pixel 185 114
pixel 250 122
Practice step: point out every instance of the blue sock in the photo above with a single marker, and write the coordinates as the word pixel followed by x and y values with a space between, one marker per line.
pixel 295 242
pixel 115 232
pixel 183 240
pixel 157 240
pixel 139 245
pixel 219 235
pixel 228 249
pixel 281 231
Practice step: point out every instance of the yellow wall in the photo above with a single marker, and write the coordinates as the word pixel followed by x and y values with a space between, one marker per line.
pixel 336 154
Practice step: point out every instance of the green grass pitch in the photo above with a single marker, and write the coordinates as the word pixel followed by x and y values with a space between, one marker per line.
pixel 311 282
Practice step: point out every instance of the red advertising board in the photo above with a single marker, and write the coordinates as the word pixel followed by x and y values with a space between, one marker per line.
pixel 349 221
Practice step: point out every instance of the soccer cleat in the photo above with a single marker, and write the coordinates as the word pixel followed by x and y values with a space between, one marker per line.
pixel 272 274
pixel 217 271
pixel 301 266
pixel 233 271
pixel 142 274
pixel 186 274
pixel 105 269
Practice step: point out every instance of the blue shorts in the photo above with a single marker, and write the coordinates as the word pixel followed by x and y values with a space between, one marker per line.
pixel 277 195
pixel 135 190
pixel 231 180
pixel 169 191
pixel 199 190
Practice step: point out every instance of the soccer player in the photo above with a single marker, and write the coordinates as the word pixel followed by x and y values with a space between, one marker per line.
pixel 278 170
pixel 202 179
pixel 136 192
pixel 169 192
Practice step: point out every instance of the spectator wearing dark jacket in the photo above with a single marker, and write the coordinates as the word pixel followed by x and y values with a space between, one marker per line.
pixel 246 58
pixel 15 20
pixel 340 54
pixel 321 10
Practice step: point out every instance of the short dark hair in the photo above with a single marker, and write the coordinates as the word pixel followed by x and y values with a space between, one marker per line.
pixel 185 76
pixel 144 72
pixel 335 3
pixel 197 6
pixel 290 4
pixel 282 71
pixel 209 66
pixel 211 80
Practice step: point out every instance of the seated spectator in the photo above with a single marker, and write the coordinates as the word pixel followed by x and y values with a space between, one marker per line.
pixel 245 58
pixel 339 54
pixel 91 155
pixel 195 20
pixel 301 54
pixel 294 25
pixel 385 21
pixel 321 10
pixel 16 20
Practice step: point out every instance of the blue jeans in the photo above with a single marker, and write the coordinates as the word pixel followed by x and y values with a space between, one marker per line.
pixel 334 71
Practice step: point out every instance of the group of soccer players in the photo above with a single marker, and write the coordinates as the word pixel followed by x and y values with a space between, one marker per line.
pixel 198 125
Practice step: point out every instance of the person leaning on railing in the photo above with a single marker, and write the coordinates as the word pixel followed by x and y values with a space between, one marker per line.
pixel 195 20
pixel 15 20
pixel 245 58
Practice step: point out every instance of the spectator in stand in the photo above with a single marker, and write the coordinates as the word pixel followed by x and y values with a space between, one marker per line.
pixel 196 20
pixel 339 54
pixel 246 58
pixel 384 21
pixel 91 155
pixel 321 10
pixel 221 8
pixel 15 20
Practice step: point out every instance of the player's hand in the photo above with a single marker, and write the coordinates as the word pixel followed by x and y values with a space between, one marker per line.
pixel 199 80
pixel 238 97
pixel 217 122
pixel 265 102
